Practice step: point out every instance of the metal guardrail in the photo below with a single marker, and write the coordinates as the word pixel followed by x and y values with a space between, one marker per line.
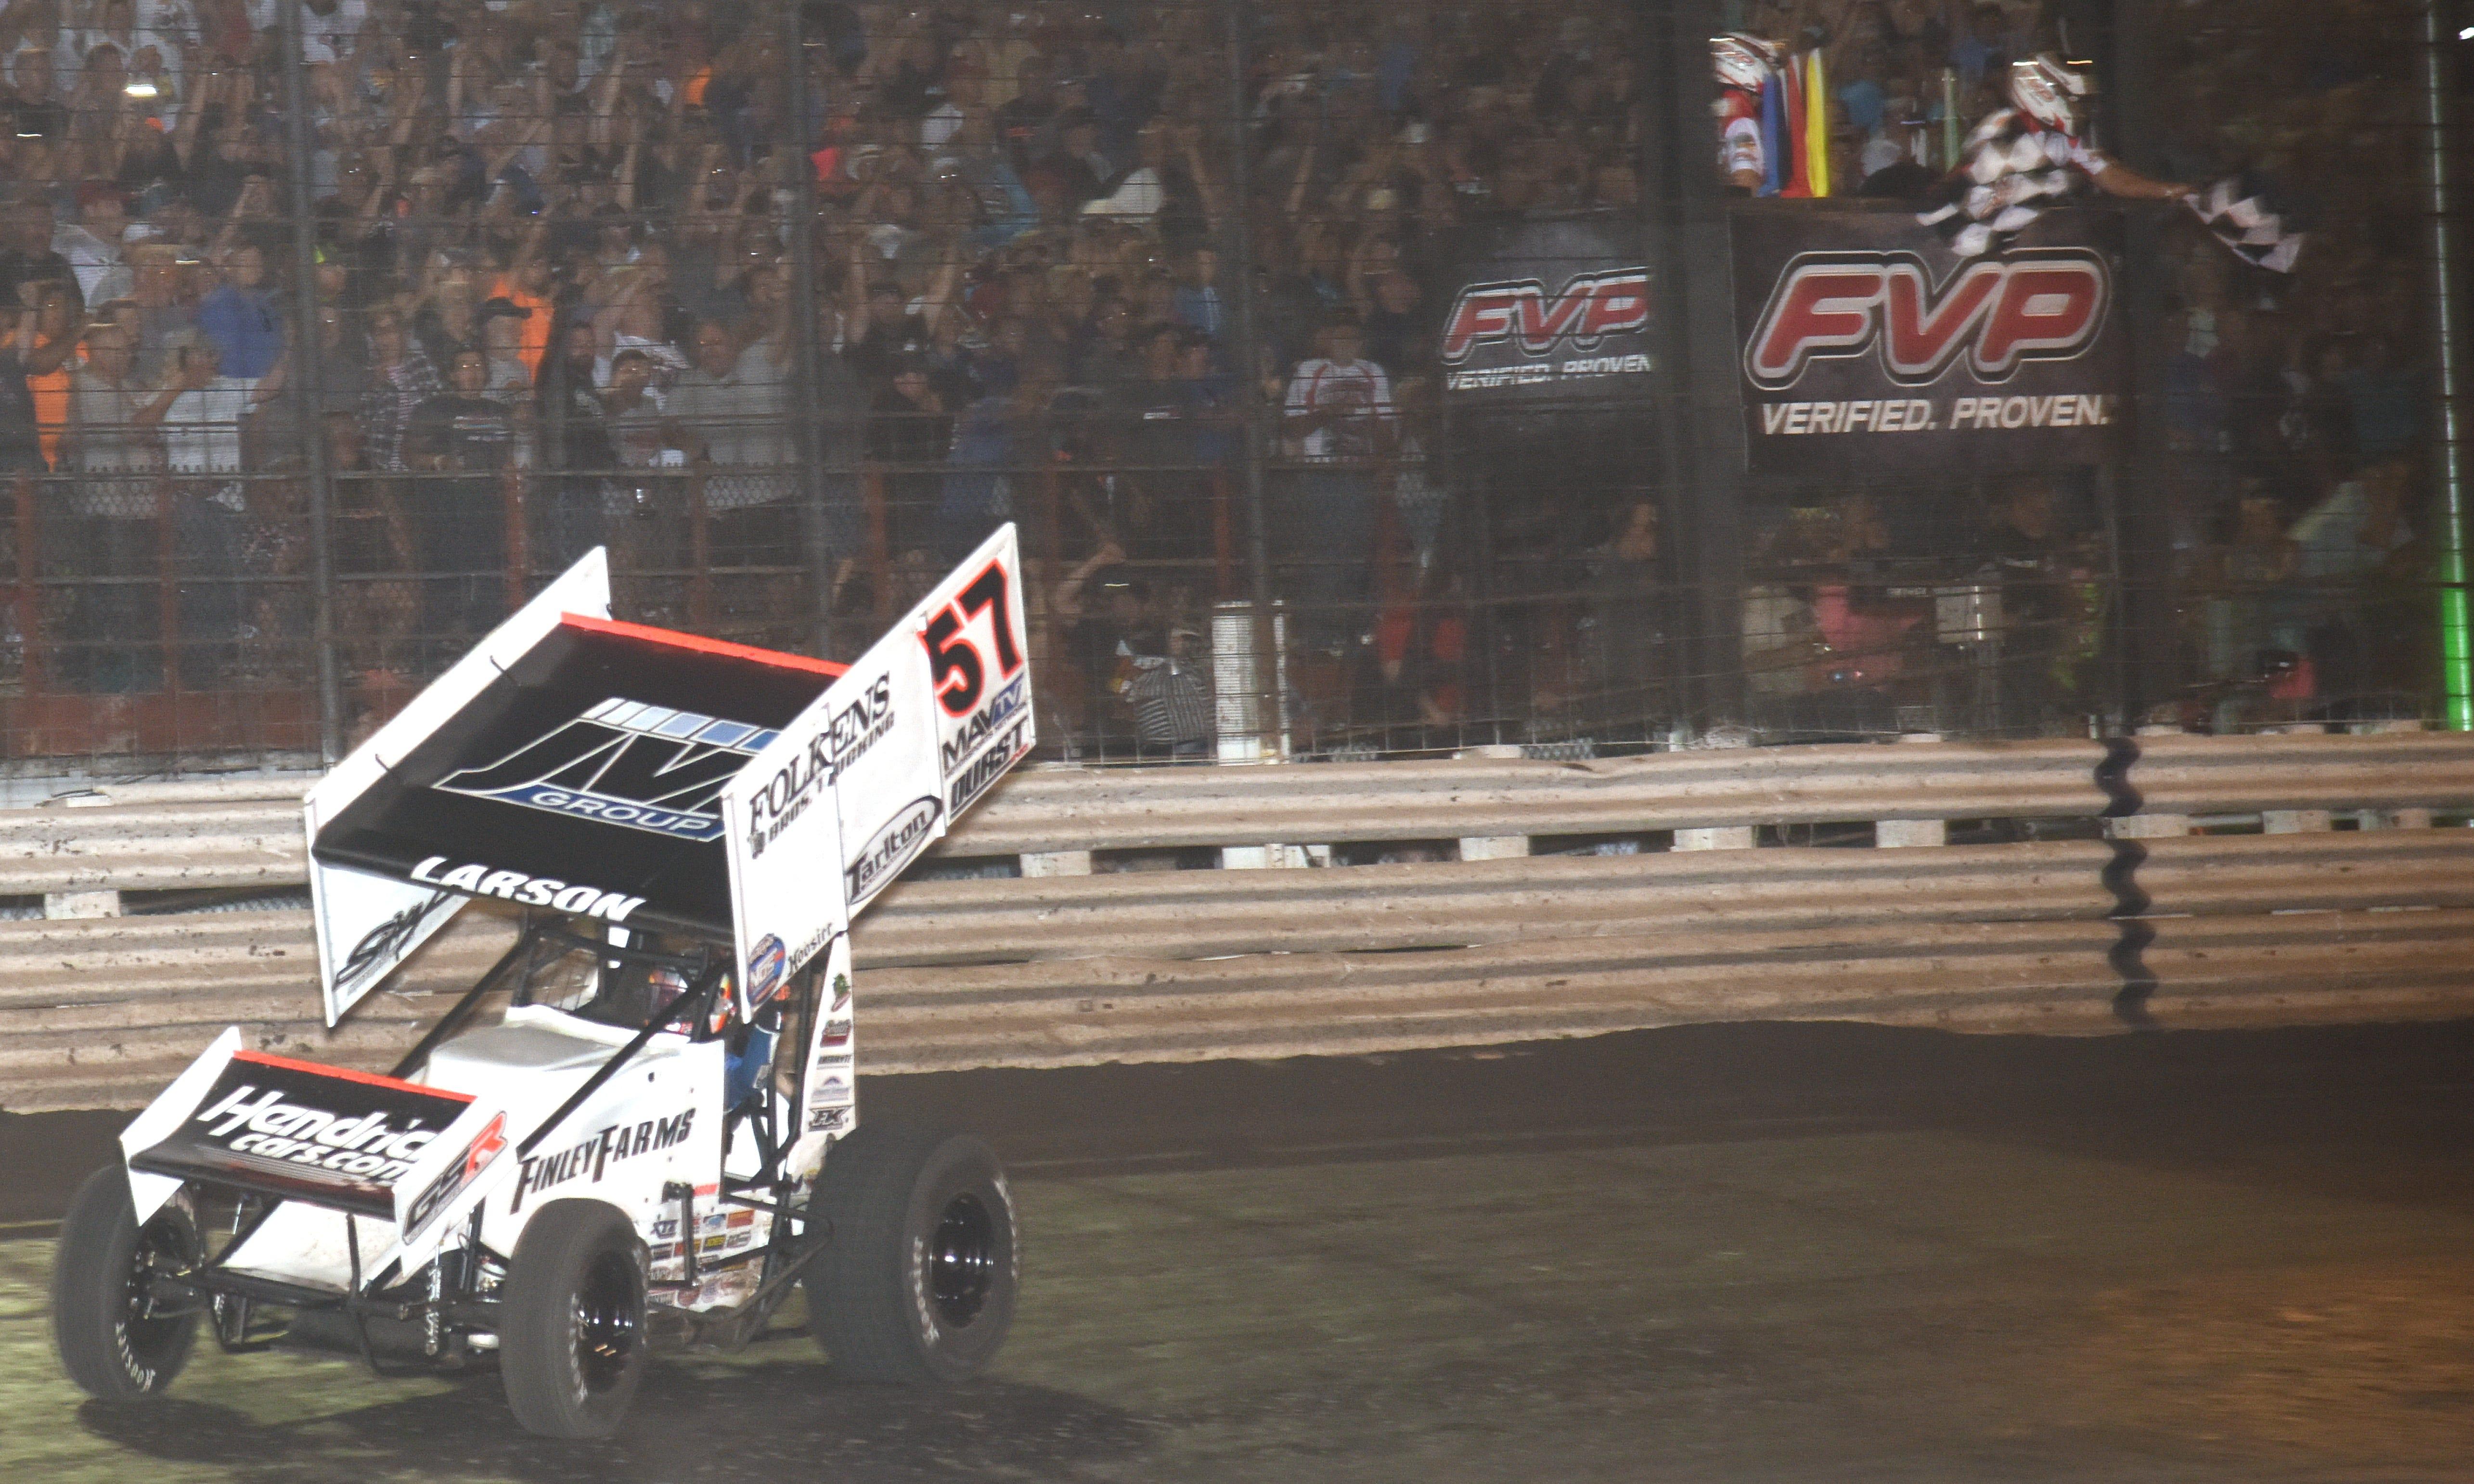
pixel 2142 921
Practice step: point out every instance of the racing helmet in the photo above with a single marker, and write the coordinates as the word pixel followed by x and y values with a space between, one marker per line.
pixel 2048 90
pixel 1743 61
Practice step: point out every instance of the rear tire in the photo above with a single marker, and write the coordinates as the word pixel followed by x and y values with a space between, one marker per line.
pixel 917 1282
pixel 106 1340
pixel 571 1341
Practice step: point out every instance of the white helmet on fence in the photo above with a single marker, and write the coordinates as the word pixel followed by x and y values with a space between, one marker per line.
pixel 1744 61
pixel 2049 91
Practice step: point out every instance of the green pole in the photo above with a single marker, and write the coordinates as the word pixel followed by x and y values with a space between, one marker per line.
pixel 1949 118
pixel 2456 633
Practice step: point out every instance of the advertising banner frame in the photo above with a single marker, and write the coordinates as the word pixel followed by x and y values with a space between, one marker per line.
pixel 1859 336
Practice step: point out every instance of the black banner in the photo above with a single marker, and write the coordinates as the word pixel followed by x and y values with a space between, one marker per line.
pixel 1865 344
pixel 319 1133
pixel 1549 311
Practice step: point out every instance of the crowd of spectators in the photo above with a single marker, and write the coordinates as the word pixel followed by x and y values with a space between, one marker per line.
pixel 551 257
pixel 554 306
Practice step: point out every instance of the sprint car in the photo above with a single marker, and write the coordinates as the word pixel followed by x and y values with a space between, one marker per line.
pixel 658 1137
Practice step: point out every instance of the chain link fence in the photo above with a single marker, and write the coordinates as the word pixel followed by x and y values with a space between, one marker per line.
pixel 334 329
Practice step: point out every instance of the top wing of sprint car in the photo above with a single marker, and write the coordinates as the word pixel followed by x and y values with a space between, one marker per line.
pixel 627 780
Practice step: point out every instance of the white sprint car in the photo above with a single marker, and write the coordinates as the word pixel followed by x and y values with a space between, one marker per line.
pixel 658 1137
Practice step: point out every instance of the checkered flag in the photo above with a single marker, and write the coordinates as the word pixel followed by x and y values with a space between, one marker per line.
pixel 2244 224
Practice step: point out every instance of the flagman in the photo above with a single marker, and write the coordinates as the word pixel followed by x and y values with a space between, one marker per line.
pixel 2027 158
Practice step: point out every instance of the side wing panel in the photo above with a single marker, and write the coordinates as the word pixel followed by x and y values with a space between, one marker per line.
pixel 874 771
pixel 164 1116
pixel 293 1129
pixel 367 924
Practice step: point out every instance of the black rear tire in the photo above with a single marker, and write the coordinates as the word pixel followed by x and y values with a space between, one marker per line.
pixel 108 1341
pixel 917 1282
pixel 571 1341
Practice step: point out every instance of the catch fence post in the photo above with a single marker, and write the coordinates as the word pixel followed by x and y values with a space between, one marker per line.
pixel 880 552
pixel 699 554
pixel 309 387
pixel 520 552
pixel 32 658
pixel 1273 714
pixel 807 415
pixel 167 580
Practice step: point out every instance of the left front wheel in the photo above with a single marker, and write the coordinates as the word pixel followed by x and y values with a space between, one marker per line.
pixel 571 1339
pixel 112 1341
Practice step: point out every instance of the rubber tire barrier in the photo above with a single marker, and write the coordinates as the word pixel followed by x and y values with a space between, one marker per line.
pixel 539 1358
pixel 90 1294
pixel 879 1202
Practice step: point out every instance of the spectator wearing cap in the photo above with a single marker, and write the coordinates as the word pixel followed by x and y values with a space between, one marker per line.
pixel 92 243
pixel 1339 420
pixel 1171 699
pixel 503 349
pixel 462 442
pixel 163 308
pixel 575 440
pixel 909 429
pixel 201 412
pixel 39 111
pixel 1393 308
pixel 401 377
pixel 993 437
pixel 1021 121
pixel 639 425
pixel 732 407
pixel 26 252
pixel 111 541
pixel 1160 416
pixel 527 285
pixel 449 318
pixel 202 415
pixel 21 447
pixel 1186 213
pixel 890 332
pixel 638 315
pixel 56 325
pixel 1106 614
pixel 1108 353
pixel 241 317
pixel 1197 298
pixel 1073 168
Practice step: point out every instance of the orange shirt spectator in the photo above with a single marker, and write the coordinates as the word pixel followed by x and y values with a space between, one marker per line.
pixel 50 393
pixel 532 338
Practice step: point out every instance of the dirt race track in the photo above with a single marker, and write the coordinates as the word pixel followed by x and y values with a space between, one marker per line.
pixel 1758 1253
